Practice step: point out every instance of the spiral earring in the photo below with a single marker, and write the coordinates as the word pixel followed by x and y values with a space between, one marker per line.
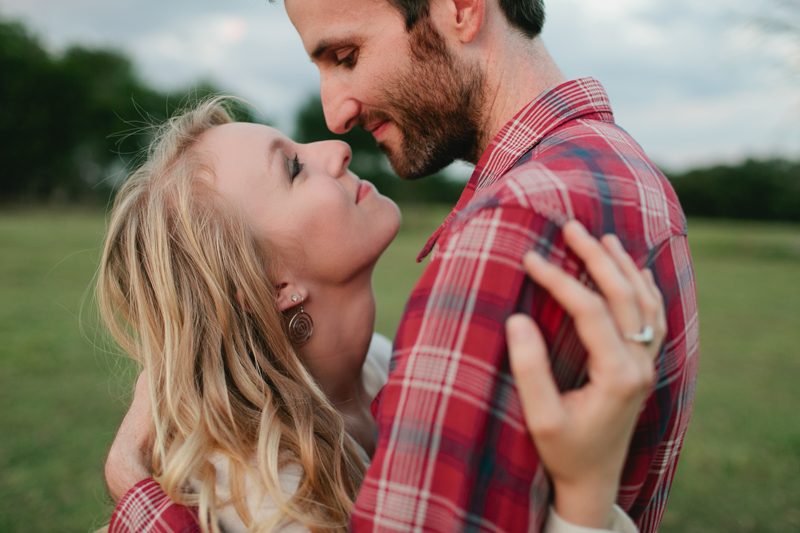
pixel 300 326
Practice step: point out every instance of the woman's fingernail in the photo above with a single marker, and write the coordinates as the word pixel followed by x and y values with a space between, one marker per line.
pixel 519 330
pixel 578 227
pixel 614 240
pixel 534 258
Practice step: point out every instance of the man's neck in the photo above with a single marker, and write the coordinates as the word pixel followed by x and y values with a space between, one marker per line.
pixel 517 71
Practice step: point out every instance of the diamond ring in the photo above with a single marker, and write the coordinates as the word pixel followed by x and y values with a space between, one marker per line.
pixel 646 336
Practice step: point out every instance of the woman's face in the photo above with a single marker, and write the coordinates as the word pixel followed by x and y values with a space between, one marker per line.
pixel 328 225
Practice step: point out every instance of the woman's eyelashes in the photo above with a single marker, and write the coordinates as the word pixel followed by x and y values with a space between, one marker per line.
pixel 295 167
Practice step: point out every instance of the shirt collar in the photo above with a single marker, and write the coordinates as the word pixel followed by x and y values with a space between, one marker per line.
pixel 529 126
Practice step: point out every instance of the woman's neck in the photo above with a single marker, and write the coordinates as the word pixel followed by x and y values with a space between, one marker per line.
pixel 344 319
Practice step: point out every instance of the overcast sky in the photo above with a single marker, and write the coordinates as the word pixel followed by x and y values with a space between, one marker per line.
pixel 691 80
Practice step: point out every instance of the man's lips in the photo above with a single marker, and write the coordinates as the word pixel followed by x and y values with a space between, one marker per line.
pixel 376 128
pixel 364 188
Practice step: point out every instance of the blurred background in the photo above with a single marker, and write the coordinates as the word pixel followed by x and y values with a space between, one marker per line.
pixel 710 90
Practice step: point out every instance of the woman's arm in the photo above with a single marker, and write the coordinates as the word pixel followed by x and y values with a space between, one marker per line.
pixel 129 456
pixel 583 435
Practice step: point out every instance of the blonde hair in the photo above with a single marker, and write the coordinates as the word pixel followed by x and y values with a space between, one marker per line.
pixel 224 378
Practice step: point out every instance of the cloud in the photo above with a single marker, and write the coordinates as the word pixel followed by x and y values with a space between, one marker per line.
pixel 198 44
pixel 687 79
pixel 691 80
pixel 682 132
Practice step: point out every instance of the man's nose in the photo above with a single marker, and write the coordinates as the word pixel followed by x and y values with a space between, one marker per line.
pixel 341 109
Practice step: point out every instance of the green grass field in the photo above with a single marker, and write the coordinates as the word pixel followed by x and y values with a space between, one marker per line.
pixel 62 394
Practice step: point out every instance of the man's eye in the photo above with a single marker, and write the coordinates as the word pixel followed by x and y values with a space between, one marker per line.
pixel 348 61
pixel 297 166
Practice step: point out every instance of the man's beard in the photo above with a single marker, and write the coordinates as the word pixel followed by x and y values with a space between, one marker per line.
pixel 436 104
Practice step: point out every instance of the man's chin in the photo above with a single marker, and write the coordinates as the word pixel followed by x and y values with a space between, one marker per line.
pixel 408 169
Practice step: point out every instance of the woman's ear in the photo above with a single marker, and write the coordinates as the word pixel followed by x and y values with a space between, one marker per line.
pixel 290 294
pixel 241 299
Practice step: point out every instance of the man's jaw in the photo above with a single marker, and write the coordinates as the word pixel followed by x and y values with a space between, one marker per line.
pixel 388 137
pixel 391 141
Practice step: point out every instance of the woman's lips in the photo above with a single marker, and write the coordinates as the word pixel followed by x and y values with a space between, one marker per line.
pixel 364 188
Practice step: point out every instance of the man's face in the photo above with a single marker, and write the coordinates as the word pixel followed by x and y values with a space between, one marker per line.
pixel 422 105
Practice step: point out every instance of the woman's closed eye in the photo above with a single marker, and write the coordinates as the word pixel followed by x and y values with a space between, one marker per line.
pixel 295 167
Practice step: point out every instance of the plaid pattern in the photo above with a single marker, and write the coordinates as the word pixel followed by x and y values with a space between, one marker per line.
pixel 453 451
pixel 147 509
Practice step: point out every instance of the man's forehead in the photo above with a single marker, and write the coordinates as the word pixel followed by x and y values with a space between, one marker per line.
pixel 339 5
pixel 326 22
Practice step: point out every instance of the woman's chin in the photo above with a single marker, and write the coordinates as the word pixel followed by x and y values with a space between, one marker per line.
pixel 398 219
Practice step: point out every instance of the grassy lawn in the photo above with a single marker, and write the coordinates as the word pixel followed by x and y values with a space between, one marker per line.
pixel 59 396
pixel 740 470
pixel 62 394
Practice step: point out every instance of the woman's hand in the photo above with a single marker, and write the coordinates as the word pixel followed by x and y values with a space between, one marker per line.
pixel 129 458
pixel 583 435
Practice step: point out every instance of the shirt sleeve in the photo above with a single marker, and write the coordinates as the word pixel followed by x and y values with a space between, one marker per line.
pixel 450 400
pixel 146 508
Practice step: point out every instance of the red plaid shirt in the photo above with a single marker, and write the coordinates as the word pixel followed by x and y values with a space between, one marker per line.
pixel 147 509
pixel 453 452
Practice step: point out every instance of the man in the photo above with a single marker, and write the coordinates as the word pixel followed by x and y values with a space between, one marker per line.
pixel 439 80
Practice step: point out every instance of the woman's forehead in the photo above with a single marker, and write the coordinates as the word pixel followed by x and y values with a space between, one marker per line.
pixel 238 136
pixel 244 157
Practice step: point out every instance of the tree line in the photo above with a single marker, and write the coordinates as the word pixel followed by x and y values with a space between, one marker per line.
pixel 72 125
pixel 756 190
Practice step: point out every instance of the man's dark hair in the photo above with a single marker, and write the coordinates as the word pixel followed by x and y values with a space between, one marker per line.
pixel 525 15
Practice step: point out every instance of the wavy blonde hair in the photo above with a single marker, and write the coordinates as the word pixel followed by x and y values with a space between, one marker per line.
pixel 224 379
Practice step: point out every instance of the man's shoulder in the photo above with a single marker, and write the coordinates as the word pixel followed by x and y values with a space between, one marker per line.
pixel 593 171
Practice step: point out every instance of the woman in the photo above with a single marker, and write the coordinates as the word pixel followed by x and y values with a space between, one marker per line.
pixel 220 248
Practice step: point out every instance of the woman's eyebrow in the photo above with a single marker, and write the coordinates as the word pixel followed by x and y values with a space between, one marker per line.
pixel 273 147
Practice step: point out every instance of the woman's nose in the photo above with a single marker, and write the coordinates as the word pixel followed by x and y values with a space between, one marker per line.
pixel 338 157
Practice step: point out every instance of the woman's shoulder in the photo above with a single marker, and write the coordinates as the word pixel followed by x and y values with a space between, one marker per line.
pixel 620 523
pixel 258 502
